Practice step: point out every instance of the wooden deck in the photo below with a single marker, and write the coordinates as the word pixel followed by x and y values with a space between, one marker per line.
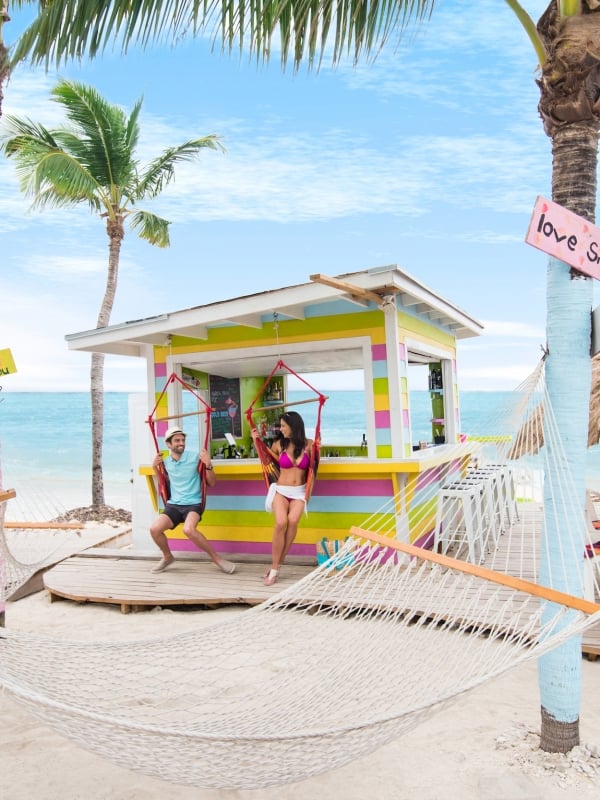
pixel 129 582
pixel 124 579
pixel 63 546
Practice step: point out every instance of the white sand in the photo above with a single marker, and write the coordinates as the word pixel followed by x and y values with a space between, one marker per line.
pixel 481 748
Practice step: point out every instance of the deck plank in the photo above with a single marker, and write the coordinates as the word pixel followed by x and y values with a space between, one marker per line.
pixel 130 582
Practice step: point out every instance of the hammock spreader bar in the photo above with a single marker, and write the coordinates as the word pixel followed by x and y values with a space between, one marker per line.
pixel 521 585
pixel 164 489
pixel 268 459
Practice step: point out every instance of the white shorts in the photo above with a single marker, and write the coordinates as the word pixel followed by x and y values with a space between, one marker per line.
pixel 291 492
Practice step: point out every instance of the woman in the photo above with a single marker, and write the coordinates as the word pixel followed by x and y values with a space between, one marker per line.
pixel 287 497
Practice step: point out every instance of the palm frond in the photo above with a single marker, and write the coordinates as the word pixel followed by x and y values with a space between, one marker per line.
pixel 161 171
pixel 49 198
pixel 132 129
pixel 59 173
pixel 100 133
pixel 71 29
pixel 43 164
pixel 150 227
pixel 18 133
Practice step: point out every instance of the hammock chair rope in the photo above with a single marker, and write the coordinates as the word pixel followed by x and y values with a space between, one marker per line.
pixel 268 458
pixel 162 476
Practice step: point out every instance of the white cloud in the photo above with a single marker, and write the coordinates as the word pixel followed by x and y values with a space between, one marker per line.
pixel 512 330
pixel 64 268
pixel 27 94
pixel 269 175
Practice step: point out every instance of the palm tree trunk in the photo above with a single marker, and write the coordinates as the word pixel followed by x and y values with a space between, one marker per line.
pixel 568 374
pixel 97 399
pixel 115 231
pixel 4 68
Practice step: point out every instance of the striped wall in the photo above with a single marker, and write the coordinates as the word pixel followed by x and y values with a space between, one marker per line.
pixel 235 519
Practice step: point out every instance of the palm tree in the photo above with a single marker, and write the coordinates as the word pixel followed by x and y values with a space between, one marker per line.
pixel 566 42
pixel 92 162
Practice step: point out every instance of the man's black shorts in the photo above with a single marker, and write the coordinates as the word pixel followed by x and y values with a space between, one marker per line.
pixel 178 514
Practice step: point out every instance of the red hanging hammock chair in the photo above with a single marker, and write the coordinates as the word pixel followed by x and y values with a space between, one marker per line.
pixel 164 488
pixel 268 458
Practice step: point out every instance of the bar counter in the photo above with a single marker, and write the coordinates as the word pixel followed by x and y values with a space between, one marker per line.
pixel 347 491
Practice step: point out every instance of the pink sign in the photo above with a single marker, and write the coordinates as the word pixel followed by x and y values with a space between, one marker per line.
pixel 565 235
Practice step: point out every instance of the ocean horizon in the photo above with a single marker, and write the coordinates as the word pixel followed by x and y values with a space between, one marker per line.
pixel 45 437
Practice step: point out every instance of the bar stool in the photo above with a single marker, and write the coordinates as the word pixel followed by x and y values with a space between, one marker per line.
pixel 492 514
pixel 454 498
pixel 509 495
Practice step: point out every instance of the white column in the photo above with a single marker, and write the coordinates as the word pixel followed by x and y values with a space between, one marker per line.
pixel 392 342
pixel 141 452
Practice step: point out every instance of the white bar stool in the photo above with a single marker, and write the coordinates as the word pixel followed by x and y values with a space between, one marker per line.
pixel 506 495
pixel 492 515
pixel 452 500
pixel 508 489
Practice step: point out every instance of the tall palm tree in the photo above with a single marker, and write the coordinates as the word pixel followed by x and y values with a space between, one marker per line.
pixel 92 162
pixel 566 42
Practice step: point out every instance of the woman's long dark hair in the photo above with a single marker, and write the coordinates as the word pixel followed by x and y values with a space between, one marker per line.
pixel 298 436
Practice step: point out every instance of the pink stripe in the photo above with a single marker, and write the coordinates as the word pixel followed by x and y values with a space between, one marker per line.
pixel 225 487
pixel 161 428
pixel 425 541
pixel 445 471
pixel 430 476
pixel 381 487
pixel 160 369
pixel 382 419
pixel 378 352
pixel 243 548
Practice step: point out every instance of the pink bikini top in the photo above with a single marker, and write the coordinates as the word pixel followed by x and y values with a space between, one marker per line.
pixel 285 462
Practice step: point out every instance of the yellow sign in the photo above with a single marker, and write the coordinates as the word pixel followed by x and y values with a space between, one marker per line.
pixel 7 364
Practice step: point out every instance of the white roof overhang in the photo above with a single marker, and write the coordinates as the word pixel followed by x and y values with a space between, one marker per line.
pixel 371 287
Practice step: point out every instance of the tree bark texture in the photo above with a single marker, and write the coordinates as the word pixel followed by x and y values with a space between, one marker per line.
pixel 116 232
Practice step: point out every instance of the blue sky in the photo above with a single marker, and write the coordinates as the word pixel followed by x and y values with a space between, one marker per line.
pixel 430 158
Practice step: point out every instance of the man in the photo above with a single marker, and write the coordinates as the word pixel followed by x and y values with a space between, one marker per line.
pixel 185 500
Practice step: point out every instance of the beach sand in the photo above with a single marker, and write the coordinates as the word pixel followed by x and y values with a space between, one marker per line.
pixel 484 747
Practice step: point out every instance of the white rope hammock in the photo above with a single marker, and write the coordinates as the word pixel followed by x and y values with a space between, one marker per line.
pixel 31 538
pixel 355 654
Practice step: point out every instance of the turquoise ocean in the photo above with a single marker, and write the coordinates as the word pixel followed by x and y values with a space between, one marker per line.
pixel 45 437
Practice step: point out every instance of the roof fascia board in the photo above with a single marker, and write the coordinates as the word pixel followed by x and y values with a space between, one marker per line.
pixel 412 292
pixel 194 322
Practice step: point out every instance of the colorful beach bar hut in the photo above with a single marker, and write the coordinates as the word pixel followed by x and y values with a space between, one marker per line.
pixel 379 322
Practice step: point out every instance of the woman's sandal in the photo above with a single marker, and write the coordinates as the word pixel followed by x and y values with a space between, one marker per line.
pixel 271 577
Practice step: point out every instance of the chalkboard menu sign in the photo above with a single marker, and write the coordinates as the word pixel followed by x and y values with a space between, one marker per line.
pixel 225 399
